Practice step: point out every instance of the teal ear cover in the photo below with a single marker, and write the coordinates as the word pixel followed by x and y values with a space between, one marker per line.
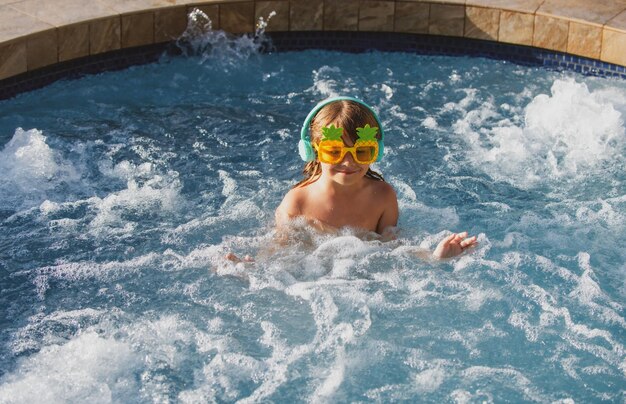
pixel 306 150
pixel 304 146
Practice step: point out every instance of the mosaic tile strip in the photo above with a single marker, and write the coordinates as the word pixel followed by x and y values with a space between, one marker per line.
pixel 345 41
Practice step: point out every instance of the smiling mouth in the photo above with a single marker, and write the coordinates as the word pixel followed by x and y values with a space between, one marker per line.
pixel 347 171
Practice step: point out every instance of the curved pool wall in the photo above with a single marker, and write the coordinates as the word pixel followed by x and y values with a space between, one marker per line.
pixel 43 40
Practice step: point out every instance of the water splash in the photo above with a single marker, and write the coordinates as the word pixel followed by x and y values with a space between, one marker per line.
pixel 562 136
pixel 31 169
pixel 200 39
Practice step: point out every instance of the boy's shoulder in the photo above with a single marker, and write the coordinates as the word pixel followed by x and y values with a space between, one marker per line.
pixel 292 201
pixel 382 189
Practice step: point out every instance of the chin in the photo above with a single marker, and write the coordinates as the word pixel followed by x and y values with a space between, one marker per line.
pixel 347 177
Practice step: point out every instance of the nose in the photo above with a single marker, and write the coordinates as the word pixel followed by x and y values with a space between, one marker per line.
pixel 348 160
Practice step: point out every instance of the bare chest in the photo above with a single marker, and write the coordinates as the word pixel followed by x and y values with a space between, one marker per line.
pixel 346 212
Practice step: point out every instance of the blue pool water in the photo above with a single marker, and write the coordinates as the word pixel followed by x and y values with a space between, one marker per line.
pixel 121 192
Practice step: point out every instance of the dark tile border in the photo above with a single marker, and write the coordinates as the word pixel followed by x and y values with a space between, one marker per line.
pixel 345 41
pixel 445 46
pixel 76 68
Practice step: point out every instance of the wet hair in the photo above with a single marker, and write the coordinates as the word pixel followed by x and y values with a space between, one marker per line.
pixel 345 114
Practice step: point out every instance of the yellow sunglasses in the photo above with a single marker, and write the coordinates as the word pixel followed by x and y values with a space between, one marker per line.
pixel 333 151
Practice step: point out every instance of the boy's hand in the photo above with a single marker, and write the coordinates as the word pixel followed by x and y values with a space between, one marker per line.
pixel 454 245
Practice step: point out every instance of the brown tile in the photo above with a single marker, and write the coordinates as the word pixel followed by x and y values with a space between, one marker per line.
pixel 169 23
pixel 522 6
pixel 460 2
pixel 135 6
pixel 446 20
pixel 341 15
pixel 306 15
pixel 12 59
pixel 137 29
pixel 614 46
pixel 412 17
pixel 237 18
pixel 516 28
pixel 105 35
pixel 73 41
pixel 619 22
pixel 14 24
pixel 280 22
pixel 376 16
pixel 482 23
pixel 212 11
pixel 60 13
pixel 584 40
pixel 550 33
pixel 42 49
pixel 585 11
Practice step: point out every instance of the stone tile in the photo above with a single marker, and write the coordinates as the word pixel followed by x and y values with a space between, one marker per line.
pixel 135 6
pixel 341 15
pixel 237 18
pixel 280 22
pixel 446 20
pixel 14 24
pixel 459 2
pixel 212 11
pixel 550 33
pixel 522 6
pixel 42 49
pixel 137 29
pixel 376 16
pixel 12 59
pixel 73 41
pixel 516 28
pixel 5 2
pixel 584 40
pixel 105 35
pixel 584 11
pixel 619 22
pixel 482 23
pixel 169 23
pixel 614 46
pixel 306 15
pixel 412 17
pixel 63 12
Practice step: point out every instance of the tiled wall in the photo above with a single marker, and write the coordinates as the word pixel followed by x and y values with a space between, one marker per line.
pixel 38 33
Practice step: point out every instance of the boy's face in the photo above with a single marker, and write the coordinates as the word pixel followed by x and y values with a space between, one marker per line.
pixel 346 172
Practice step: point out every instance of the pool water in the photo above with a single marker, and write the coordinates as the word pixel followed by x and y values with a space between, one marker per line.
pixel 121 192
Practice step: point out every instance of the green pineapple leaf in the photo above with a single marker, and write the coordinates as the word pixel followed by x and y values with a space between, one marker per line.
pixel 367 132
pixel 331 133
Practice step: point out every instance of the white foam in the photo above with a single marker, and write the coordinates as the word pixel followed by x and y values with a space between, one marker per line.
pixel 76 271
pixel 564 135
pixel 158 195
pixel 429 380
pixel 430 123
pixel 31 170
pixel 324 83
pixel 88 368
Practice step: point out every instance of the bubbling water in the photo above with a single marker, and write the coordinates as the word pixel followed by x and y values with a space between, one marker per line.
pixel 555 143
pixel 117 213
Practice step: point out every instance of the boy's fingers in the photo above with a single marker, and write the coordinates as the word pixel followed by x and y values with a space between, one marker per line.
pixel 448 239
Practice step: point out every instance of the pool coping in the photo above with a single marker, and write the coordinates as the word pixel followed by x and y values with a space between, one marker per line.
pixel 38 34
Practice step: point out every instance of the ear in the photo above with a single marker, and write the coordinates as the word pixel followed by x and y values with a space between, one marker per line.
pixel 381 150
pixel 306 150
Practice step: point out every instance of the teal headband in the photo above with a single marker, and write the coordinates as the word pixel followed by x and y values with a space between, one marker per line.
pixel 304 146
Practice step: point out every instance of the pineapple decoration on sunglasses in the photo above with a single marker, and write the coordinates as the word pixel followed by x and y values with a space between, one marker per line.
pixel 331 149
